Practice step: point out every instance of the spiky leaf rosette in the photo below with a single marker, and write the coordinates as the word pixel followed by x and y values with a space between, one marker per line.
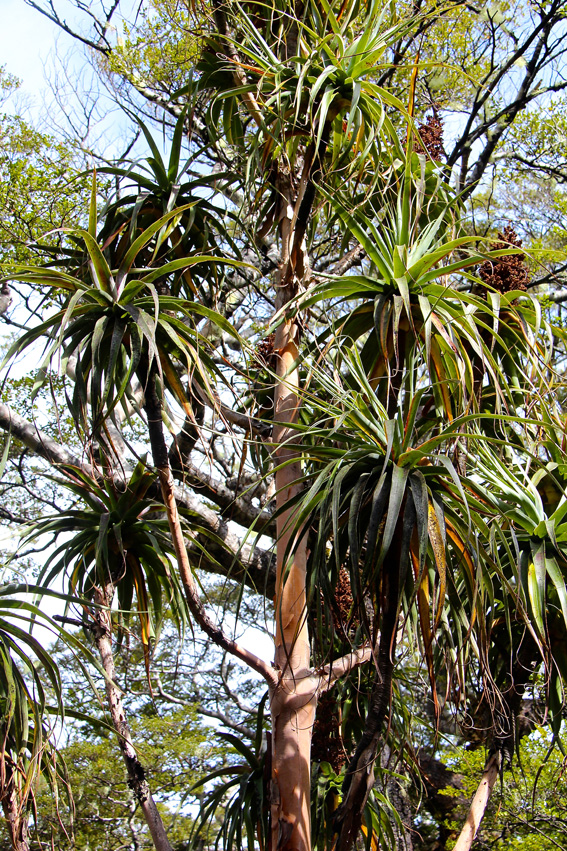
pixel 307 81
pixel 114 319
pixel 119 542
pixel 421 378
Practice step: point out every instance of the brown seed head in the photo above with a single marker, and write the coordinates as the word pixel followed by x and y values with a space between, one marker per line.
pixel 509 272
pixel 327 743
pixel 430 138
pixel 343 595
pixel 265 356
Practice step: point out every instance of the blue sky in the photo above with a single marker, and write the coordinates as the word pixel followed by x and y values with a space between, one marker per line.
pixel 36 50
pixel 26 39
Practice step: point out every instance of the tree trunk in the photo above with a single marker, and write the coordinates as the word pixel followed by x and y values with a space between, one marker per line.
pixel 479 803
pixel 16 816
pixel 359 777
pixel 400 801
pixel 136 774
pixel 293 701
pixel 293 691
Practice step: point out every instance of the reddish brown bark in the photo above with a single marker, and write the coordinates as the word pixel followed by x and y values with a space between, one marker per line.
pixel 293 701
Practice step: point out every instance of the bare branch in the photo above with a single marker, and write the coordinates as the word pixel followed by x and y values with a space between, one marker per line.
pixel 101 45
pixel 244 421
pixel 479 803
pixel 242 729
pixel 36 440
pixel 233 508
pixel 343 666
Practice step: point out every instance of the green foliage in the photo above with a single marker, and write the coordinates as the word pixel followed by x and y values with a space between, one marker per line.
pixel 430 434
pixel 29 677
pixel 528 809
pixel 40 185
pixel 174 746
pixel 160 50
pixel 242 796
pixel 120 541
pixel 106 321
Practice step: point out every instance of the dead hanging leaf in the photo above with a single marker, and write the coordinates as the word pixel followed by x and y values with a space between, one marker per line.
pixel 467 561
pixel 424 620
pixel 438 546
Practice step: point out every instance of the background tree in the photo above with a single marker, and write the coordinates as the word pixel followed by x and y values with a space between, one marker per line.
pixel 175 749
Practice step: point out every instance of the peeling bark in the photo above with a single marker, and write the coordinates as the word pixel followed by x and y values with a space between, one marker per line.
pixel 293 702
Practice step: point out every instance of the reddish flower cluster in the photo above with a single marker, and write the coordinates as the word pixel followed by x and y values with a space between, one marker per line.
pixel 430 138
pixel 509 272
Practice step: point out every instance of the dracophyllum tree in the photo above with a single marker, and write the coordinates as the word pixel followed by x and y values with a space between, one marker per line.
pixel 404 414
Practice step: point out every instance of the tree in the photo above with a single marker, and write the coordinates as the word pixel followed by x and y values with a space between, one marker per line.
pixel 405 418
pixel 529 808
pixel 175 748
pixel 39 182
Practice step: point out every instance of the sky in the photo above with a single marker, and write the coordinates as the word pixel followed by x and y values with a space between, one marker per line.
pixel 26 40
pixel 36 51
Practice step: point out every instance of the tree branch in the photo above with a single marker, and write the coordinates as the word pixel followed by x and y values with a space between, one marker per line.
pixel 54 17
pixel 343 666
pixel 479 803
pixel 238 74
pixel 223 554
pixel 153 409
pixel 232 507
pixel 210 713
